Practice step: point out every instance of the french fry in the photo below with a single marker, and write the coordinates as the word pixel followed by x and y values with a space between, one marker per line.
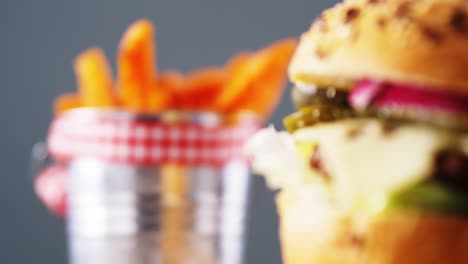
pixel 66 102
pixel 236 62
pixel 94 78
pixel 137 69
pixel 159 98
pixel 242 71
pixel 170 82
pixel 200 89
pixel 258 82
pixel 248 81
pixel 267 96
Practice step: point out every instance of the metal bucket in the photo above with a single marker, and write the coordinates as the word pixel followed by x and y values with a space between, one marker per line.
pixel 172 212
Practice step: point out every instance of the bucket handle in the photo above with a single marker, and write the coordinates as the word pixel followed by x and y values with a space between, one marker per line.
pixel 48 180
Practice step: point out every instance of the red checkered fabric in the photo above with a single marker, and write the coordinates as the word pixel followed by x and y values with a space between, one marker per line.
pixel 49 186
pixel 146 142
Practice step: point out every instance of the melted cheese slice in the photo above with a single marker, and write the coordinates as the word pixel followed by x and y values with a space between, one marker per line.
pixel 274 155
pixel 367 162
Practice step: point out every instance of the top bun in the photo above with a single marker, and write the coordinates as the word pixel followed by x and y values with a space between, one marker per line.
pixel 421 42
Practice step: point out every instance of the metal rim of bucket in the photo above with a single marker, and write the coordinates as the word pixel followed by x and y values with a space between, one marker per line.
pixel 204 118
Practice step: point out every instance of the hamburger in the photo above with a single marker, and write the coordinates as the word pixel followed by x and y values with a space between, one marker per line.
pixel 373 167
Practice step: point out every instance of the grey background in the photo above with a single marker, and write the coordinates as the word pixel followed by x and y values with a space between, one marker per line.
pixel 37 44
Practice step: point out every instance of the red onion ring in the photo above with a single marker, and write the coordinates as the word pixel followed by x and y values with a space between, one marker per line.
pixel 388 95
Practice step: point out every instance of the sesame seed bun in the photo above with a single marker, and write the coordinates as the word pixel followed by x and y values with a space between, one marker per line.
pixel 423 42
pixel 311 233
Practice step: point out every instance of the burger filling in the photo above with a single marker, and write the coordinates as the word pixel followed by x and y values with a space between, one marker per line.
pixel 368 165
pixel 380 146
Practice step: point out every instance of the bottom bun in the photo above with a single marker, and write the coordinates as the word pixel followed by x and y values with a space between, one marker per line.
pixel 314 232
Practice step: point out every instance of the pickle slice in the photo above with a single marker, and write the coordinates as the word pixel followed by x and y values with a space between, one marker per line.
pixel 303 97
pixel 311 115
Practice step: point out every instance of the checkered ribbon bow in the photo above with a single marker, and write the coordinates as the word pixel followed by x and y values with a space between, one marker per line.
pixel 147 142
